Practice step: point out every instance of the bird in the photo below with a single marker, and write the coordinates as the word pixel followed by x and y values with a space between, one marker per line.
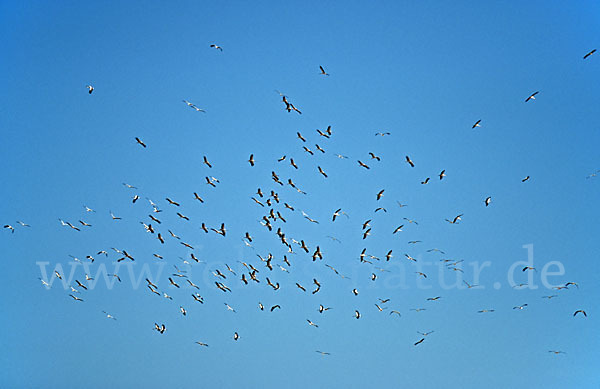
pixel 355 291
pixel 322 172
pixel 202 344
pixel 580 311
pixel 584 57
pixel 323 352
pixel 366 233
pixel 76 298
pixel 434 298
pixel 363 165
pixel 183 311
pixel 251 160
pixel 160 328
pixel 485 310
pixel 90 88
pixel 398 229
pixel 419 341
pixel 323 72
pixel 442 174
pixel 9 227
pixel 336 214
pixel 477 124
pixel 357 315
pixel 520 307
pixel 275 307
pixel 236 336
pixel 373 156
pixel 469 286
pixel 23 224
pixel 139 141
pixel 425 333
pixel 532 96
pixel 456 219
pixel 425 181
pixel 217 47
pixel 409 161
pixel 487 201
pixel 380 194
pixel 525 179
pixel 310 323
pixel 382 133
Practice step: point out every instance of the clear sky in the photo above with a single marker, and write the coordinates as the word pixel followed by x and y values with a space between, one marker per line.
pixel 423 71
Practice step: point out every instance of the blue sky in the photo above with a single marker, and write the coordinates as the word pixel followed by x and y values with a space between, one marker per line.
pixel 423 71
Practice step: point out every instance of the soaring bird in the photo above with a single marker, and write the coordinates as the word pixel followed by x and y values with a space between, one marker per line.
pixel 11 228
pixel 580 311
pixel 477 124
pixel 487 201
pixel 442 174
pixel 336 214
pixel 525 179
pixel 90 88
pixel 310 323
pixel 584 57
pixel 323 72
pixel 363 165
pixel 456 219
pixel 216 47
pixel 420 341
pixel 251 160
pixel 409 161
pixel 373 156
pixel 380 194
pixel 138 140
pixel 532 96
pixel 76 298
pixel 322 172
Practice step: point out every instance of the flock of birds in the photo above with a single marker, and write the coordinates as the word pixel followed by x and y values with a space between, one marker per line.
pixel 262 270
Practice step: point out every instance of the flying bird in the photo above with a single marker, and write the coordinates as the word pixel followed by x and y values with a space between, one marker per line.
pixel 90 88
pixel 217 47
pixel 477 124
pixel 323 72
pixel 138 140
pixel 532 96
pixel 584 57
